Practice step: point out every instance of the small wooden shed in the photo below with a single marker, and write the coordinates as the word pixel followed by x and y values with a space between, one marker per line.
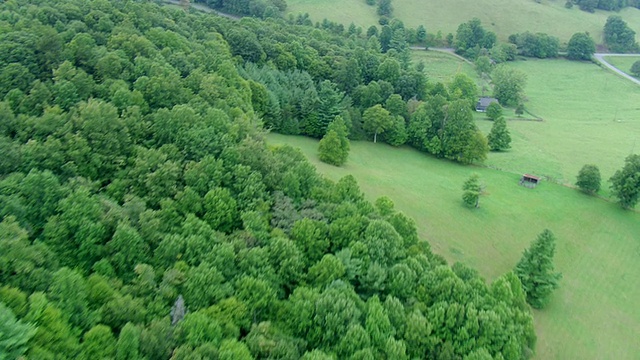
pixel 529 181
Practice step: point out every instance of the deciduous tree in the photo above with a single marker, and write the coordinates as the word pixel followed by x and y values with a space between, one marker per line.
pixel 377 120
pixel 589 179
pixel 625 183
pixel 581 47
pixel 508 85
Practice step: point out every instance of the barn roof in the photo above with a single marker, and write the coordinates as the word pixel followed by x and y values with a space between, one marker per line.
pixel 486 101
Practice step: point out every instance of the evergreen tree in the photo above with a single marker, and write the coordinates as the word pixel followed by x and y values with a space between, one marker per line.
pixel 472 191
pixel 589 179
pixel 536 272
pixel 494 111
pixel 334 146
pixel 499 138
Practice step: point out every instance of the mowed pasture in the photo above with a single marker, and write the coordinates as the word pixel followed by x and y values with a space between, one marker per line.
pixel 594 314
pixel 623 63
pixel 504 17
pixel 590 116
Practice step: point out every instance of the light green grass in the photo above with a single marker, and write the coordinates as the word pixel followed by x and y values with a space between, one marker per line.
pixel 505 17
pixel 623 63
pixel 594 314
pixel 442 67
pixel 590 116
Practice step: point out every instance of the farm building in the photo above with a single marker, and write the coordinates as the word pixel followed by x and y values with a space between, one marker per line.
pixel 529 181
pixel 484 102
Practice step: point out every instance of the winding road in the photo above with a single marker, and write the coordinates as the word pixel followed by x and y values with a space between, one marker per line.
pixel 600 57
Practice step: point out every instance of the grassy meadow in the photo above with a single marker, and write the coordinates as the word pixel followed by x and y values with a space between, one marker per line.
pixel 590 116
pixel 623 63
pixel 504 17
pixel 597 250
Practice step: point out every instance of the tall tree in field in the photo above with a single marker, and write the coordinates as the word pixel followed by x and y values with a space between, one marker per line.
pixel 508 85
pixel 334 146
pixel 581 47
pixel 376 120
pixel 499 137
pixel 472 191
pixel 589 179
pixel 625 183
pixel 461 140
pixel 635 69
pixel 536 272
pixel 385 8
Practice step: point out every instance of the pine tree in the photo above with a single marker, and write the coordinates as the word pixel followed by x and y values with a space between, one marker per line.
pixel 499 137
pixel 536 272
pixel 334 146
pixel 472 191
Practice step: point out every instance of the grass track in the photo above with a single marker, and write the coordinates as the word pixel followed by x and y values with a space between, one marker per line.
pixel 504 17
pixel 594 315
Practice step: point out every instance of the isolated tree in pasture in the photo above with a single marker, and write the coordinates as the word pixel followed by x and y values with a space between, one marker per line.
pixel 334 146
pixel 494 111
pixel 472 191
pixel 589 179
pixel 377 120
pixel 625 183
pixel 385 8
pixel 635 69
pixel 508 85
pixel 536 271
pixel 330 150
pixel 499 137
pixel 520 109
pixel 581 47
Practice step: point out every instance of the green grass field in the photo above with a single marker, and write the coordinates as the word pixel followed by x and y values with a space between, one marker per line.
pixel 590 116
pixel 504 17
pixel 594 315
pixel 623 63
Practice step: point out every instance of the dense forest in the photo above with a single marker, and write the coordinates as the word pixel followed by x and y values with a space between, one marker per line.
pixel 144 217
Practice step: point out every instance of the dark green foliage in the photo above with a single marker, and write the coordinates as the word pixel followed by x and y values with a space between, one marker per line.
pixel 635 69
pixel 472 191
pixel 471 37
pixel 536 271
pixel 581 47
pixel 625 183
pixel 377 120
pixel 499 138
pixel 589 179
pixel 334 146
pixel 618 36
pixel 494 111
pixel 136 190
pixel 385 8
pixel 14 334
pixel 538 45
pixel 508 85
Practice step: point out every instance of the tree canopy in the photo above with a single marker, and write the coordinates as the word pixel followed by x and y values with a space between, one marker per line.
pixel 536 271
pixel 144 216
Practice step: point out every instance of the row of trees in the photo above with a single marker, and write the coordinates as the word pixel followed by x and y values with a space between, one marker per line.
pixel 143 215
pixel 625 183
